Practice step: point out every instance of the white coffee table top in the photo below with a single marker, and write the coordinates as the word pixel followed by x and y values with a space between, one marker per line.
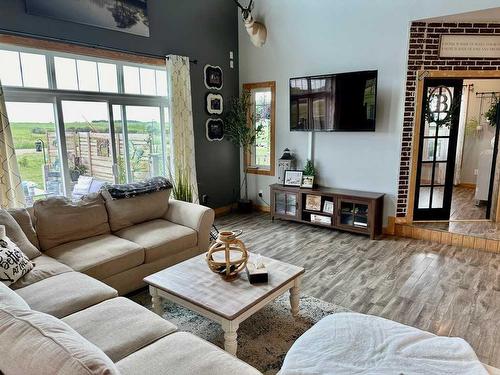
pixel 193 281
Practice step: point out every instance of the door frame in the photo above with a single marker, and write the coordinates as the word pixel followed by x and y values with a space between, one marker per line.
pixel 419 95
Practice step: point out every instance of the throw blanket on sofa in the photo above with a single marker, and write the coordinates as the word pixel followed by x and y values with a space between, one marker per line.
pixel 121 191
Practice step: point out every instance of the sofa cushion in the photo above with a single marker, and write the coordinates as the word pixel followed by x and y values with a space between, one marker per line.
pixel 10 298
pixel 100 256
pixel 45 267
pixel 60 221
pixel 16 234
pixel 23 218
pixel 195 356
pixel 160 238
pixel 126 212
pixel 35 343
pixel 66 293
pixel 119 326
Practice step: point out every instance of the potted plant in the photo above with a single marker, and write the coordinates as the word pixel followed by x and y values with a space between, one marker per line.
pixel 491 114
pixel 77 170
pixel 308 174
pixel 237 130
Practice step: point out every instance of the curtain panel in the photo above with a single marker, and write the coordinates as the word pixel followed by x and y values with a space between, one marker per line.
pixel 11 189
pixel 182 124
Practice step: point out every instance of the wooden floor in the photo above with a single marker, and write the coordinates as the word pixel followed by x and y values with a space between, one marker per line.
pixel 463 205
pixel 438 288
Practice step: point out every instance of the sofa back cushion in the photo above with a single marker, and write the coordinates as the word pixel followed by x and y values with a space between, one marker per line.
pixel 9 298
pixel 23 218
pixel 16 234
pixel 126 212
pixel 32 342
pixel 59 220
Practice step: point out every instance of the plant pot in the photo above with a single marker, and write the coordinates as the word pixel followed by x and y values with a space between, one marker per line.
pixel 245 206
pixel 74 175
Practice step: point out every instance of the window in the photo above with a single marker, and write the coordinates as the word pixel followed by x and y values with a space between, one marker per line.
pixel 75 116
pixel 260 159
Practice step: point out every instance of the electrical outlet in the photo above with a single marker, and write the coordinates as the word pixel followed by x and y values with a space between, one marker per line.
pixel 231 64
pixel 476 172
pixel 231 55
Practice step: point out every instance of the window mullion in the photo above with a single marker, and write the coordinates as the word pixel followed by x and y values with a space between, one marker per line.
pixel 63 150
pixel 51 71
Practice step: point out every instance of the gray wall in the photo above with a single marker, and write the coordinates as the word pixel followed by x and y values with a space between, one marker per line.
pixel 201 29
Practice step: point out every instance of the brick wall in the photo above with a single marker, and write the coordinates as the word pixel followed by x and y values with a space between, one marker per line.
pixel 423 54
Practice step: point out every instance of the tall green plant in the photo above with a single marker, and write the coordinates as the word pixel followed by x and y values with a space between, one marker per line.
pixel 182 190
pixel 239 127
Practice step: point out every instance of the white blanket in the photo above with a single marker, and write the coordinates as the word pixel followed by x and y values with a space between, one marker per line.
pixel 349 343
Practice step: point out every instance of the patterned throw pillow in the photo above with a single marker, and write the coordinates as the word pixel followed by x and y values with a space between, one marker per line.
pixel 14 264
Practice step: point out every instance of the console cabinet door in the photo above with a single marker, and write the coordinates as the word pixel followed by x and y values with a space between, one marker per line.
pixel 353 214
pixel 285 204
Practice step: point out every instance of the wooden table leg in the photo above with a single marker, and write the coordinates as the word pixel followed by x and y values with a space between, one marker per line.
pixel 155 298
pixel 230 336
pixel 295 297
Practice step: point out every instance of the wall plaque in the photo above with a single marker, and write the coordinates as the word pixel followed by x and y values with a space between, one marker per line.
pixel 470 46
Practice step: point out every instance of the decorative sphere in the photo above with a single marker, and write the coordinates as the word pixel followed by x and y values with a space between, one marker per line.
pixel 227 256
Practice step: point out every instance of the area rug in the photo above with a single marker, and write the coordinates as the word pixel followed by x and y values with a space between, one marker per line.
pixel 264 338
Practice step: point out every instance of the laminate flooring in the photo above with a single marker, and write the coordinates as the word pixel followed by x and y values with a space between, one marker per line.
pixel 443 289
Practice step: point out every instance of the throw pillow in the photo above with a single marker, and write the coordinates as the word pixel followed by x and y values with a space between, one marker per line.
pixel 16 234
pixel 23 218
pixel 14 264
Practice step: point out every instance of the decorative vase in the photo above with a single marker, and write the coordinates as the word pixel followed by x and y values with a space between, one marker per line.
pixel 227 256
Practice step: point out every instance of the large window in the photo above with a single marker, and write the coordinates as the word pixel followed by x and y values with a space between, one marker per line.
pixel 260 158
pixel 79 122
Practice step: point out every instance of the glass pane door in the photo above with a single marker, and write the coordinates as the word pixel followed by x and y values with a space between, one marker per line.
pixel 438 141
pixel 37 148
pixel 88 146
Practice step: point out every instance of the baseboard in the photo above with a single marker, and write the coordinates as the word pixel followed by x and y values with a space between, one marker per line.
pixel 390 229
pixel 221 211
pixel 260 208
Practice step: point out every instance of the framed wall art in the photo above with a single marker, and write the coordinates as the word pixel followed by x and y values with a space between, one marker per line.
pixel 129 16
pixel 215 104
pixel 213 77
pixel 215 129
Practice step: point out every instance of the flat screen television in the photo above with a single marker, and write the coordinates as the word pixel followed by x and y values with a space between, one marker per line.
pixel 334 102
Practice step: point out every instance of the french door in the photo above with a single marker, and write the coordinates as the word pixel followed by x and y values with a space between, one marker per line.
pixel 440 114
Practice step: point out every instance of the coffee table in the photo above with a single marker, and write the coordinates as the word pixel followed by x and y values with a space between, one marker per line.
pixel 192 285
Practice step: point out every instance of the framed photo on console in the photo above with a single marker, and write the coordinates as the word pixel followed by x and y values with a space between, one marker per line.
pixel 293 178
pixel 313 202
pixel 328 207
pixel 215 104
pixel 307 182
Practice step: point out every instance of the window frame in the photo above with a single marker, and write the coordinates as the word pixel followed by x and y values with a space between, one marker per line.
pixel 247 159
pixel 56 96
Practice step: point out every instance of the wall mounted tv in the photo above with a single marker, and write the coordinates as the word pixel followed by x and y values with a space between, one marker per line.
pixel 334 102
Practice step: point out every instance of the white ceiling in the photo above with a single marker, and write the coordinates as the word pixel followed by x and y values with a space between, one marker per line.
pixel 485 15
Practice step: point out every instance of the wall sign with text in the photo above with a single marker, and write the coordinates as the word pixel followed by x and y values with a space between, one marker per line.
pixel 479 46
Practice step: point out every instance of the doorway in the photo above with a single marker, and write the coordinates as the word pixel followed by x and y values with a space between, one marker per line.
pixel 457 150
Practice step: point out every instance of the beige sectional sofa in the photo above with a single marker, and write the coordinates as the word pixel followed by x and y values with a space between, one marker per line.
pixel 66 317
pixel 116 241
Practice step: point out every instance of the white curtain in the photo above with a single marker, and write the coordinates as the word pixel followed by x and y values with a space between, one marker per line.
pixel 464 107
pixel 11 190
pixel 182 122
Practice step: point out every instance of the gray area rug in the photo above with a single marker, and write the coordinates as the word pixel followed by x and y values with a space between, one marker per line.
pixel 264 338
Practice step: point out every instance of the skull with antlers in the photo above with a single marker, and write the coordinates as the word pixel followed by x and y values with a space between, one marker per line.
pixel 256 30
